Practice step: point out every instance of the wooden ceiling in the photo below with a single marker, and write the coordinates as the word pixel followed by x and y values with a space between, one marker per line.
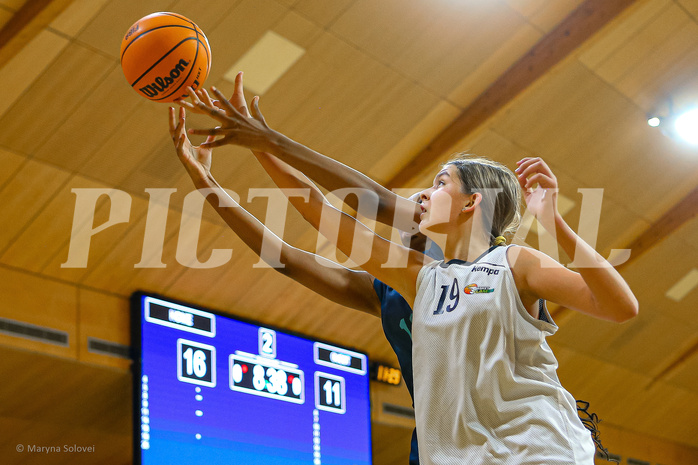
pixel 390 87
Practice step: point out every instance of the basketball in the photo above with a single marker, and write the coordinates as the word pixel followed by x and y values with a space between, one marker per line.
pixel 164 53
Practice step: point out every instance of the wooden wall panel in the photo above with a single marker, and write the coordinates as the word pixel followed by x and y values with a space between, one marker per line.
pixel 298 28
pixel 12 5
pixel 161 279
pixel 685 375
pixel 27 123
pixel 632 53
pixel 106 30
pixel 420 134
pixel 600 383
pixel 321 12
pixel 206 18
pixel 49 231
pixel 605 123
pixel 42 302
pixel 552 13
pixel 601 48
pixel 390 444
pixel 238 30
pixel 25 67
pixel 653 336
pixel 34 184
pixel 690 6
pixel 659 73
pixel 76 16
pixel 124 150
pixel 660 268
pixel 101 243
pixel 403 32
pixel 628 444
pixel 105 108
pixel 191 284
pixel 89 406
pixel 327 117
pixel 107 318
pixel 395 395
pixel 113 264
pixel 5 16
pixel 11 163
pixel 477 81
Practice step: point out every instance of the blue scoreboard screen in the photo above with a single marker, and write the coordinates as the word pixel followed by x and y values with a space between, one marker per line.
pixel 211 389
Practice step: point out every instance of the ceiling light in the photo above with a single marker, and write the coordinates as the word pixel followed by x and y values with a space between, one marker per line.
pixel 677 123
pixel 265 62
pixel 687 126
pixel 654 121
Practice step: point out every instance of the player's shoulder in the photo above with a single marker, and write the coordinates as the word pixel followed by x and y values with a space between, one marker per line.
pixel 523 253
pixel 525 261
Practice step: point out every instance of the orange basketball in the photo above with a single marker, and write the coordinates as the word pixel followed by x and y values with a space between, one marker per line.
pixel 164 53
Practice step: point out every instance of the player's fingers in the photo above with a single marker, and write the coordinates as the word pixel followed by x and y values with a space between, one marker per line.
pixel 185 104
pixel 171 120
pixel 193 95
pixel 207 99
pixel 238 82
pixel 238 98
pixel 179 123
pixel 525 163
pixel 208 132
pixel 230 109
pixel 215 143
pixel 256 112
pixel 531 167
pixel 179 145
pixel 214 112
pixel 541 179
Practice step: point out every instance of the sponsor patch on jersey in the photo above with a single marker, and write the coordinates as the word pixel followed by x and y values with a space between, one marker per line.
pixel 475 289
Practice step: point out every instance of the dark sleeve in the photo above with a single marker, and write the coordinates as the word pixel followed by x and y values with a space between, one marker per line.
pixel 380 288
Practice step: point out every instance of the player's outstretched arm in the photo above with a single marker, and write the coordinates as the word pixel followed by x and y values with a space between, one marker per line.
pixel 340 228
pixel 597 289
pixel 283 175
pixel 393 210
pixel 341 285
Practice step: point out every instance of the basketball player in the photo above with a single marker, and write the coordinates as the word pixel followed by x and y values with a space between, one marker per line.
pixel 355 289
pixel 485 384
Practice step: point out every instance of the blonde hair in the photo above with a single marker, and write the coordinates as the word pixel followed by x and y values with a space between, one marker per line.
pixel 503 210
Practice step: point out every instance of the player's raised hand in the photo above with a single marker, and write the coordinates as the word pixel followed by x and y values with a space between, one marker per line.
pixel 202 96
pixel 196 159
pixel 540 190
pixel 236 128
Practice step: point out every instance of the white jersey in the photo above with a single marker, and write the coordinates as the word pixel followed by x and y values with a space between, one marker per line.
pixel 485 382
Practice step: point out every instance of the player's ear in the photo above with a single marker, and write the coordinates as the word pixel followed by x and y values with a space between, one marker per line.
pixel 472 202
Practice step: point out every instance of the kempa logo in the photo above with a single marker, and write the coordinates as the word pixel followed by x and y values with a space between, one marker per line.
pixel 484 269
pixel 162 83
pixel 475 289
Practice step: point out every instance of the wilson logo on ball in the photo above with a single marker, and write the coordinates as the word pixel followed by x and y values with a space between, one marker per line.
pixel 160 84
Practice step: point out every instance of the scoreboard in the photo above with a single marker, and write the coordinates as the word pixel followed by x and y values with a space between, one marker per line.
pixel 213 389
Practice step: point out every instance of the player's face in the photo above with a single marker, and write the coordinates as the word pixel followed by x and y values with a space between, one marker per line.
pixel 442 203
